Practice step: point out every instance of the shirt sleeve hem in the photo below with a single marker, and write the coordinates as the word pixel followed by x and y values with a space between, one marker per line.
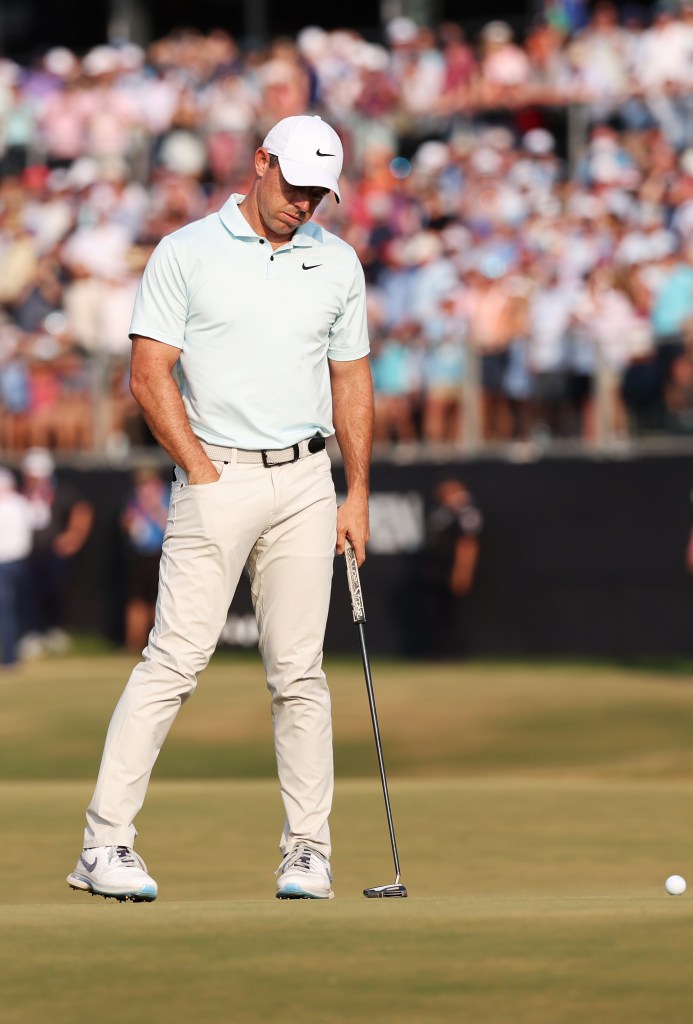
pixel 348 357
pixel 155 336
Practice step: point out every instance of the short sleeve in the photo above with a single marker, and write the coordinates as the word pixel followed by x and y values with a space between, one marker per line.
pixel 349 332
pixel 161 304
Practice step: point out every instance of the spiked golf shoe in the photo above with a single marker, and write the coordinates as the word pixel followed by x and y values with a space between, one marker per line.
pixel 304 874
pixel 113 871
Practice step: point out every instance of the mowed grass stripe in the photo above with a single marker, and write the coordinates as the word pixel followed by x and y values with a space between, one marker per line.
pixel 436 720
pixel 218 840
pixel 496 960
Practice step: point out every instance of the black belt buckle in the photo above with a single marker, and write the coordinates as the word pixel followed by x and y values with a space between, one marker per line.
pixel 285 462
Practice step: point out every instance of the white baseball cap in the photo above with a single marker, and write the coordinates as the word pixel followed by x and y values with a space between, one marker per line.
pixel 309 150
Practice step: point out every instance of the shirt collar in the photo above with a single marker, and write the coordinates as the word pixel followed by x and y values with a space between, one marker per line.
pixel 232 218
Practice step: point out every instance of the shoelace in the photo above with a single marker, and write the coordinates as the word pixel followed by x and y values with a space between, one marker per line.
pixel 300 858
pixel 128 858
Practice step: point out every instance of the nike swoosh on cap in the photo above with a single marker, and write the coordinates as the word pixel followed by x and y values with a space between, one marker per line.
pixel 310 266
pixel 318 153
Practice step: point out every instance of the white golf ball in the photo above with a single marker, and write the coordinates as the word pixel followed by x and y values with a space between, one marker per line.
pixel 675 885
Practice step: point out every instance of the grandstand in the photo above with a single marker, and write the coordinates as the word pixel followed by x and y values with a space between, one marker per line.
pixel 519 190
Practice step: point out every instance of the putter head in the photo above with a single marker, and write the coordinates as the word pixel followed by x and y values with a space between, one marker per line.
pixel 379 892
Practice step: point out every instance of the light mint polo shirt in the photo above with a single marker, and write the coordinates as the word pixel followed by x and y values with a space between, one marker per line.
pixel 255 328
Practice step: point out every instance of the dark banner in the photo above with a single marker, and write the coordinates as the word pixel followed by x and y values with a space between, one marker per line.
pixel 577 557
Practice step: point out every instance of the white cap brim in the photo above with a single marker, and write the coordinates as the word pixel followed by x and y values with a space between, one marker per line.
pixel 309 176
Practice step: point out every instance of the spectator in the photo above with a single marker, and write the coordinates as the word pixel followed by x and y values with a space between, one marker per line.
pixel 419 70
pixel 549 317
pixel 444 368
pixel 63 119
pixel 14 398
pixel 608 331
pixel 641 380
pixel 491 312
pixel 143 524
pixel 15 544
pixel 18 136
pixel 671 282
pixel 449 563
pixel 600 57
pixel 18 264
pixel 61 522
pixel 665 70
pixel 396 382
pixel 505 67
pixel 460 69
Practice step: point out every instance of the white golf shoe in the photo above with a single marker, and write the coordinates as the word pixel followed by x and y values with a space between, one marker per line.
pixel 113 871
pixel 304 874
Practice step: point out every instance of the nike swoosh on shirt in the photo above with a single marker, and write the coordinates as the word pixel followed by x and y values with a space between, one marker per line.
pixel 88 866
pixel 318 153
pixel 310 266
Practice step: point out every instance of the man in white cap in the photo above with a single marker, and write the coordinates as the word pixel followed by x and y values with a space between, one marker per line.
pixel 250 348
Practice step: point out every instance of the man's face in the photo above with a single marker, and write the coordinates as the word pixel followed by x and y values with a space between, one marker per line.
pixel 283 207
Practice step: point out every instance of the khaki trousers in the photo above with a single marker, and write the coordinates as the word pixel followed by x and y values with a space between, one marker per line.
pixel 281 522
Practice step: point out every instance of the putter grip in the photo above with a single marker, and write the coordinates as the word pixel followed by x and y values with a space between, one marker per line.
pixel 354 582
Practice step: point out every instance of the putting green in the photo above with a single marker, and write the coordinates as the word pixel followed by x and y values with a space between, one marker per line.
pixel 531 901
pixel 454 959
pixel 538 811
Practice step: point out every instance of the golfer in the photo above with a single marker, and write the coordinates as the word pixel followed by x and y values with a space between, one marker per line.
pixel 249 348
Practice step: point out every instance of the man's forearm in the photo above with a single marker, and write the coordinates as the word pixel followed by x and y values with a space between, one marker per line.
pixel 159 398
pixel 163 409
pixel 352 412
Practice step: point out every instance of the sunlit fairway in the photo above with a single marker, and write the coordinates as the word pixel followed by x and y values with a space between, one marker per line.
pixel 538 809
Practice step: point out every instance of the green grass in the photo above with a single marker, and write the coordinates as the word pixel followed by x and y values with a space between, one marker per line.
pixel 437 720
pixel 538 811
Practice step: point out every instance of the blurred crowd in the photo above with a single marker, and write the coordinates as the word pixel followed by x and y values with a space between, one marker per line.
pixel 45 522
pixel 522 205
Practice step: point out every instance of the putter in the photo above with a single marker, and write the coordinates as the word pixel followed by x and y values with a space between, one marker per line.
pixel 354 581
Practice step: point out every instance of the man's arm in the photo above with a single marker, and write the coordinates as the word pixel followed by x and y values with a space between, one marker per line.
pixel 159 398
pixel 466 556
pixel 79 524
pixel 352 413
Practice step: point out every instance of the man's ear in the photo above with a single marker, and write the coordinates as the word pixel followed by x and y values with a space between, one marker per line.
pixel 262 161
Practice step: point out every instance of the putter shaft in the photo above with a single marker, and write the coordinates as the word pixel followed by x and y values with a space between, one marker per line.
pixel 359 615
pixel 378 745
